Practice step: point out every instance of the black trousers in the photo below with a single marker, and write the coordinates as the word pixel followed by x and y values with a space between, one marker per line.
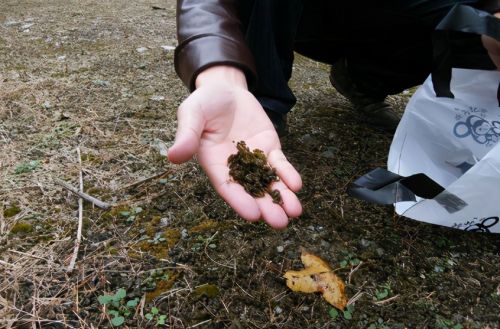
pixel 387 44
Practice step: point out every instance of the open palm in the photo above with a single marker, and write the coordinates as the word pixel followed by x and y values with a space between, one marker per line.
pixel 210 123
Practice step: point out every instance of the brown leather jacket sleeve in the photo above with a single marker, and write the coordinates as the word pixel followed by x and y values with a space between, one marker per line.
pixel 209 33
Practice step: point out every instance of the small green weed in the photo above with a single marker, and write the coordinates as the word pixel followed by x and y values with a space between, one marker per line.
pixel 202 241
pixel 154 314
pixel 333 313
pixel 378 325
pixel 116 306
pixel 443 323
pixel 347 313
pixel 150 283
pixel 383 292
pixel 53 139
pixel 26 167
pixel 131 214
pixel 349 259
pixel 158 238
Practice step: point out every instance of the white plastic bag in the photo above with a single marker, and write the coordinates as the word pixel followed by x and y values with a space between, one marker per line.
pixel 454 141
pixel 444 160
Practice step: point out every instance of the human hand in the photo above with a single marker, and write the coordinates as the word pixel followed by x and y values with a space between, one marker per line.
pixel 493 47
pixel 210 122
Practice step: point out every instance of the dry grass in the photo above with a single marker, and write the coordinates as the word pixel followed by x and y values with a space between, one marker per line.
pixel 74 79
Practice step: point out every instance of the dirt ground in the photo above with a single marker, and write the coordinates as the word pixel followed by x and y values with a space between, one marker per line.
pixel 98 77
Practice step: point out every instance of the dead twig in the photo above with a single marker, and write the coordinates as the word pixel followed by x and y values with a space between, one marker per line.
pixel 213 260
pixel 145 180
pixel 29 255
pixel 201 323
pixel 354 270
pixel 244 291
pixel 98 203
pixel 7 264
pixel 148 199
pixel 354 298
pixel 72 262
pixel 385 301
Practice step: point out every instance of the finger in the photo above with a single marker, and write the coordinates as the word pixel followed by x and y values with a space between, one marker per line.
pixel 234 194
pixel 190 125
pixel 493 48
pixel 272 213
pixel 285 170
pixel 290 202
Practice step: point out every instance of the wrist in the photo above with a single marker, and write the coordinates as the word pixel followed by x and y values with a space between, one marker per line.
pixel 222 75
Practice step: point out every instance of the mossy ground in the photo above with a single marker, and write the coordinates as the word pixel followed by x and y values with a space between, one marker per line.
pixel 71 76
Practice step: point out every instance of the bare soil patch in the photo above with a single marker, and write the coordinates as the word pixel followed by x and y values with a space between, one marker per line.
pixel 94 75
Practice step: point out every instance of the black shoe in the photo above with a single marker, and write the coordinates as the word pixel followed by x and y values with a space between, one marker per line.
pixel 279 122
pixel 374 110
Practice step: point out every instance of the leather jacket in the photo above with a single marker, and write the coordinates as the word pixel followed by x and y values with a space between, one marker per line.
pixel 210 32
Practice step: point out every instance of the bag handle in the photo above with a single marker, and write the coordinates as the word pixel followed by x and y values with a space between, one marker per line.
pixel 458 31
pixel 385 187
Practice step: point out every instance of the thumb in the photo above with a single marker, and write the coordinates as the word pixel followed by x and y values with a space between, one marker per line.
pixel 190 125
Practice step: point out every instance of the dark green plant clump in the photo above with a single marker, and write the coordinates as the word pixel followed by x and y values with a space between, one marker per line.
pixel 11 211
pixel 251 170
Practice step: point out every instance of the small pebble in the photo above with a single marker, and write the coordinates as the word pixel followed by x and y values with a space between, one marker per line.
pixel 11 23
pixel 157 98
pixel 309 141
pixel 328 154
pixel 26 26
pixel 364 243
pixel 168 48
pixel 165 221
pixel 46 105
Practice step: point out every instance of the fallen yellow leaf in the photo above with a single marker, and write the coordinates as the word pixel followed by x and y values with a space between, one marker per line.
pixel 317 276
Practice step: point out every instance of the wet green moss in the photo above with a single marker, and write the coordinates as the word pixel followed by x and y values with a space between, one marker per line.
pixel 11 211
pixel 21 227
pixel 206 225
pixel 112 251
pixel 91 158
pixel 206 290
pixel 160 250
pixel 114 213
pixel 162 286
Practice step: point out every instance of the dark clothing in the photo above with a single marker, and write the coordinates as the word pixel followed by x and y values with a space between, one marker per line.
pixel 387 44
